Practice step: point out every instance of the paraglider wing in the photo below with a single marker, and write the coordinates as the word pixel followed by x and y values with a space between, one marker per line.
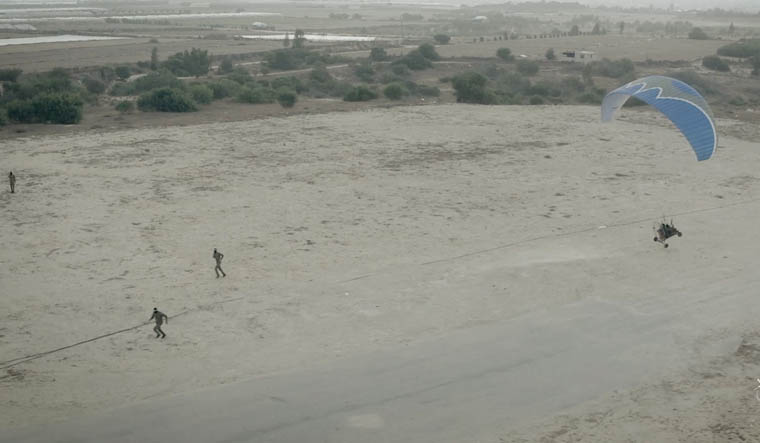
pixel 679 102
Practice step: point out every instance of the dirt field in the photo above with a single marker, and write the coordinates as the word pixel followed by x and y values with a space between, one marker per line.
pixel 107 225
pixel 42 57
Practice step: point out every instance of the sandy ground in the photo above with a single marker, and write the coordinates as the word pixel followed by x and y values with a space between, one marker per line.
pixel 327 221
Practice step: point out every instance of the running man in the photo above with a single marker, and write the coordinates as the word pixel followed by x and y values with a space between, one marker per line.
pixel 218 256
pixel 159 317
pixel 12 180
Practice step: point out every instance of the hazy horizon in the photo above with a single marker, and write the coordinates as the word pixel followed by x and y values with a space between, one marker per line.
pixel 744 5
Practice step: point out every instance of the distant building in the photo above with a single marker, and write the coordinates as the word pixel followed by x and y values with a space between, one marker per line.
pixel 579 56
pixel 479 19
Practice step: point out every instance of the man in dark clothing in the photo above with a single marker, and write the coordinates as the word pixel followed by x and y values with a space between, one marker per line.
pixel 218 256
pixel 159 317
pixel 12 180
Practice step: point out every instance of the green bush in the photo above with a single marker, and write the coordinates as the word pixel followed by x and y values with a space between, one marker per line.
pixel 226 66
pixel 93 86
pixel 698 34
pixel 194 62
pixel 400 70
pixel 573 84
pixel 365 72
pixel 612 68
pixel 48 107
pixel 240 76
pixel 744 48
pixel 293 83
pixel 21 111
pixel 428 91
pixel 470 87
pixel 224 88
pixel 378 55
pixel 10 75
pixel 286 97
pixel 428 51
pixel 154 80
pixel 360 94
pixel 513 83
pixel 536 100
pixel 125 106
pixel 442 39
pixel 256 95
pixel 166 100
pixel 201 94
pixel 550 54
pixel 527 67
pixel 3 117
pixel 122 72
pixel 505 54
pixel 415 61
pixel 701 84
pixel 715 63
pixel 395 91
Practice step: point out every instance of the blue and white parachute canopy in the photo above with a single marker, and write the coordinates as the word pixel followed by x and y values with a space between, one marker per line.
pixel 681 103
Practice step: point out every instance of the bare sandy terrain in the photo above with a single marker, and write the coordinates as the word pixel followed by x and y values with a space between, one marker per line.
pixel 348 233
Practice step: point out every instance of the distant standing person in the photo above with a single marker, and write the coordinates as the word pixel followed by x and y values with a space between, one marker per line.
pixel 159 317
pixel 12 180
pixel 218 256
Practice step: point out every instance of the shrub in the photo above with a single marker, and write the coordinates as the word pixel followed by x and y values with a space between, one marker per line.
pixel 3 117
pixel 428 91
pixel 63 108
pixel 21 111
pixel 715 63
pixel 513 83
pixel 536 100
pixel 201 94
pixel 704 86
pixel 698 34
pixel 378 54
pixel 194 62
pixel 550 54
pixel 415 60
pixel 428 51
pixel 365 72
pixel 400 70
pixel 10 75
pixel 573 84
pixel 744 48
pixel 394 91
pixel 256 95
pixel 470 87
pixel 224 88
pixel 612 68
pixel 286 97
pixel 527 67
pixel 94 86
pixel 240 76
pixel 442 39
pixel 166 100
pixel 154 80
pixel 125 106
pixel 505 54
pixel 226 66
pixel 293 83
pixel 122 72
pixel 755 62
pixel 360 94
